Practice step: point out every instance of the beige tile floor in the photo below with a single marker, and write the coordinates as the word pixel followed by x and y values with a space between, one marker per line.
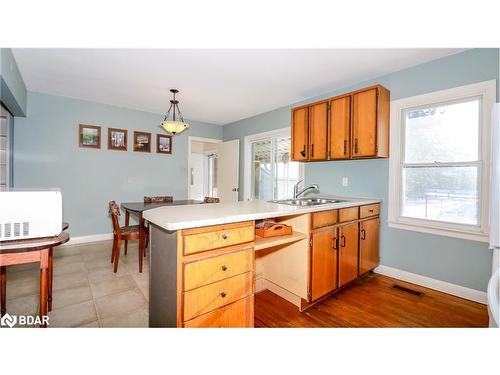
pixel 86 291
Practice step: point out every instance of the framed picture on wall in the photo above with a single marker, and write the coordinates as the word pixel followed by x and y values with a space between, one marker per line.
pixel 163 144
pixel 142 141
pixel 117 139
pixel 89 136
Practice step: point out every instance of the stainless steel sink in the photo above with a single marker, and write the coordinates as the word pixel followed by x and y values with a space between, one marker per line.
pixel 308 201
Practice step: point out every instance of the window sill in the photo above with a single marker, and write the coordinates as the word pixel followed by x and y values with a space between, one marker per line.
pixel 466 235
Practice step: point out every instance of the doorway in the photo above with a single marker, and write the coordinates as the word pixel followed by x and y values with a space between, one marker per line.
pixel 202 168
pixel 206 159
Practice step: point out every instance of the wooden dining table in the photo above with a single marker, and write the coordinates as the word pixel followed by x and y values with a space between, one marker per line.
pixel 137 208
pixel 29 251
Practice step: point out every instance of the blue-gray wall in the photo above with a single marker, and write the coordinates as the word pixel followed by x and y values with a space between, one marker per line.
pixel 46 154
pixel 12 88
pixel 461 262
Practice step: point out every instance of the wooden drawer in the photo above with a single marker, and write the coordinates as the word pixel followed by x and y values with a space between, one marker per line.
pixel 209 238
pixel 348 214
pixel 236 315
pixel 221 293
pixel 324 218
pixel 369 210
pixel 217 268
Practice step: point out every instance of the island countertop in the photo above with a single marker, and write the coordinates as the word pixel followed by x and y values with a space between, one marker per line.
pixel 174 218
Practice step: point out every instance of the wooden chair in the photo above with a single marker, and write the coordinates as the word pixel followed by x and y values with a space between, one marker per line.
pixel 211 200
pixel 154 199
pixel 159 199
pixel 129 232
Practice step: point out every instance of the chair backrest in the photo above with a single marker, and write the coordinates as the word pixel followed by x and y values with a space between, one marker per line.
pixel 159 199
pixel 211 200
pixel 114 211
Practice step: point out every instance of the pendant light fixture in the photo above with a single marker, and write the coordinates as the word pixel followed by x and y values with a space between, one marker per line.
pixel 174 122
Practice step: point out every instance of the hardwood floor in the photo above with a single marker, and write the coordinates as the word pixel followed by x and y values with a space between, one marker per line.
pixel 373 301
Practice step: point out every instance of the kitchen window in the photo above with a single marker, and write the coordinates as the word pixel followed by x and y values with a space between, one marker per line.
pixel 439 162
pixel 269 172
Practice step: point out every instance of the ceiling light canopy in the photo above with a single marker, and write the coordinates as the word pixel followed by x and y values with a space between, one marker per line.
pixel 173 122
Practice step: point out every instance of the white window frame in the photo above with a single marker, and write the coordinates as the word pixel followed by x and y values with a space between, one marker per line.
pixel 247 177
pixel 487 92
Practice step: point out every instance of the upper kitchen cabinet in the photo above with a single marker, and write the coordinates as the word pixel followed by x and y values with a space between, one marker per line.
pixel 370 123
pixel 318 128
pixel 300 134
pixel 354 125
pixel 340 128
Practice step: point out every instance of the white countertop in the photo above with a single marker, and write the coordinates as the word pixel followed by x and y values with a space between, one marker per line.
pixel 200 215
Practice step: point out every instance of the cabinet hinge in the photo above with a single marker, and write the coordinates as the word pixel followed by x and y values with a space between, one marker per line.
pixel 311 242
pixel 378 93
pixel 309 294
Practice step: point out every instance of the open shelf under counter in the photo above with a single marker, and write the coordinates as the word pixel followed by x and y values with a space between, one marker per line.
pixel 267 242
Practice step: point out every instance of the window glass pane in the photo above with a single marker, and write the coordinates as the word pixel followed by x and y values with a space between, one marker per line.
pixel 444 133
pixel 262 183
pixel 287 172
pixel 441 193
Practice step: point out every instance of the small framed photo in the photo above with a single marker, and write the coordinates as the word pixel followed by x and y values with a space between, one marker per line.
pixel 89 136
pixel 163 144
pixel 117 139
pixel 142 141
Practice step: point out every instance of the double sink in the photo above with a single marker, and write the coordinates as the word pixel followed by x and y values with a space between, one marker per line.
pixel 308 201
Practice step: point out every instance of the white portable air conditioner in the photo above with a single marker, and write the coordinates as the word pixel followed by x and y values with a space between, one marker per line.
pixel 30 214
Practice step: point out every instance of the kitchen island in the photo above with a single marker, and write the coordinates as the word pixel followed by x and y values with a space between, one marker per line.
pixel 207 262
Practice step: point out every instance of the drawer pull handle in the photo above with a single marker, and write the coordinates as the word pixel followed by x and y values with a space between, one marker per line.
pixel 370 211
pixel 225 236
pixel 222 294
pixel 224 267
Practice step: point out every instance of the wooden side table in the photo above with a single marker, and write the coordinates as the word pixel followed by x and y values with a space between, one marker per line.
pixel 29 251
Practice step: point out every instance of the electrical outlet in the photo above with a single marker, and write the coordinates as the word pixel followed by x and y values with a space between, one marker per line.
pixel 345 181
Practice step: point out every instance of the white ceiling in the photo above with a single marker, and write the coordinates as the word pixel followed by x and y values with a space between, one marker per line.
pixel 216 85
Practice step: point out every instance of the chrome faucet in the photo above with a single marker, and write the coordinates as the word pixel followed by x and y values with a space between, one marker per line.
pixel 297 193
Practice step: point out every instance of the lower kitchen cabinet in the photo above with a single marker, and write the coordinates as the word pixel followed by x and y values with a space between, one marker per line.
pixel 324 262
pixel 236 315
pixel 369 240
pixel 348 253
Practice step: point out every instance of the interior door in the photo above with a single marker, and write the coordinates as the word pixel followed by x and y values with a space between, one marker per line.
pixel 318 130
pixel 324 263
pixel 348 253
pixel 300 134
pixel 365 123
pixel 368 245
pixel 340 128
pixel 228 166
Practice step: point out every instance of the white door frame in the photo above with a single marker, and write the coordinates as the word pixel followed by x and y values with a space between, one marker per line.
pixel 247 157
pixel 196 139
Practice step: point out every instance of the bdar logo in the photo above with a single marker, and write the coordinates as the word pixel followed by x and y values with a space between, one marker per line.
pixel 8 320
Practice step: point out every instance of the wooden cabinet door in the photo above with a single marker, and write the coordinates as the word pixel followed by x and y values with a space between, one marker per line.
pixel 365 123
pixel 340 128
pixel 318 131
pixel 348 253
pixel 300 134
pixel 324 263
pixel 369 237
